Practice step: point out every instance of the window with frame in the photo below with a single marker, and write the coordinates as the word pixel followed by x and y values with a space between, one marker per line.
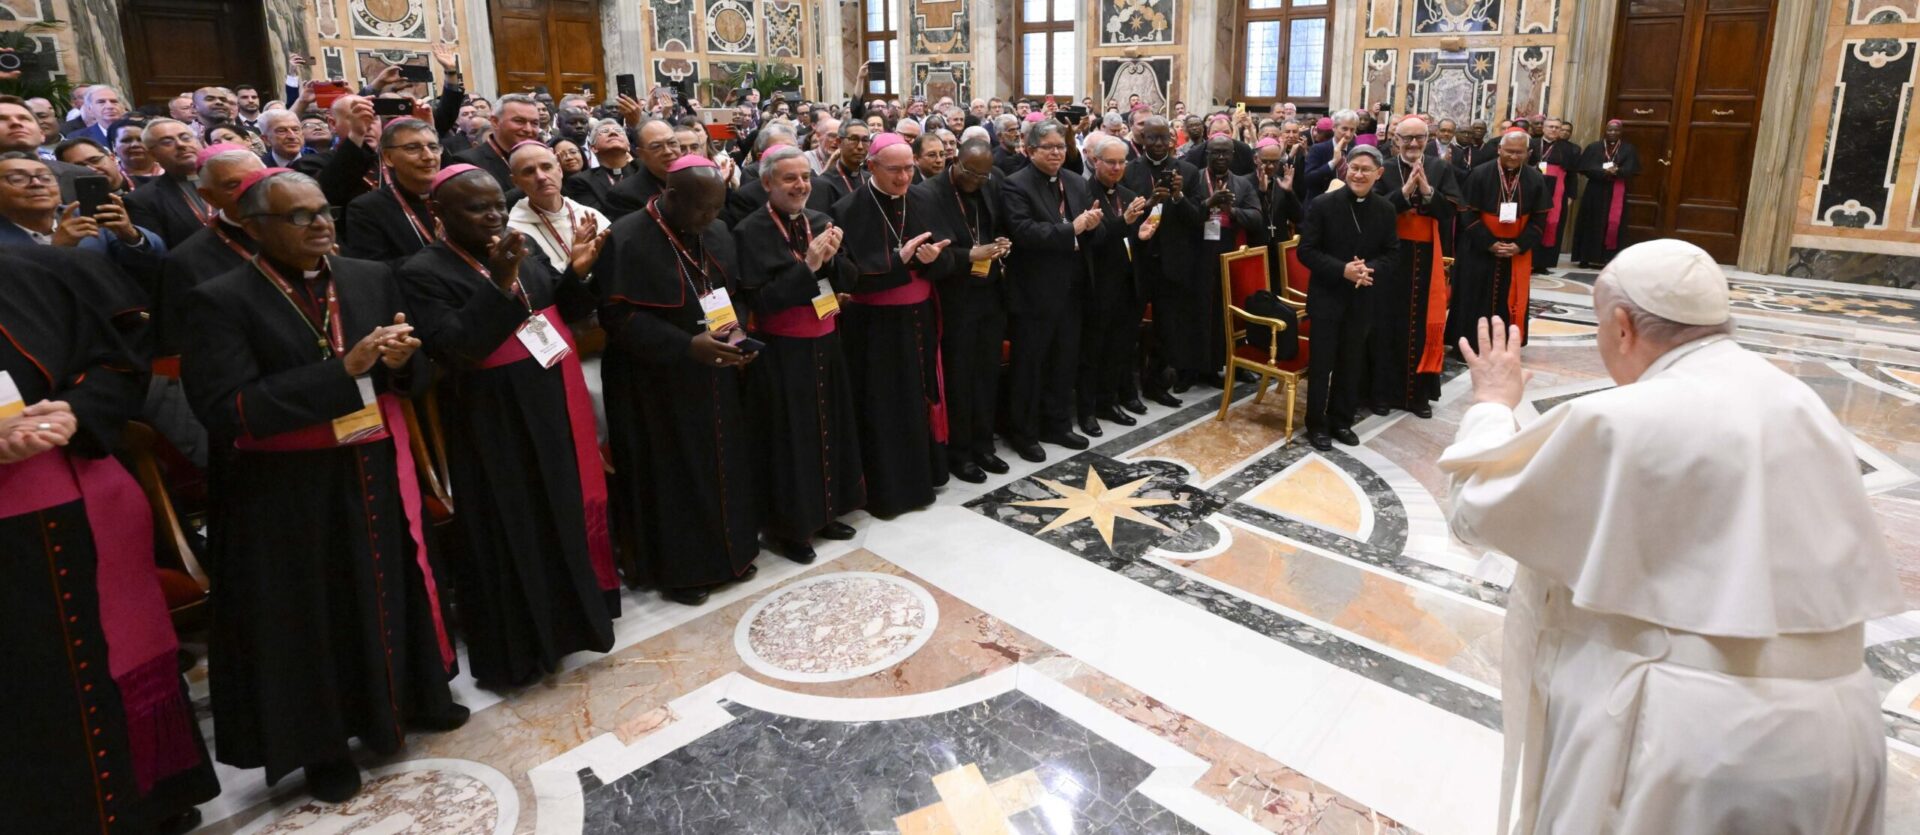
pixel 880 34
pixel 1048 53
pixel 1284 50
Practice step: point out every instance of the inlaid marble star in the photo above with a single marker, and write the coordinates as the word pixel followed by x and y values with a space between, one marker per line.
pixel 1099 504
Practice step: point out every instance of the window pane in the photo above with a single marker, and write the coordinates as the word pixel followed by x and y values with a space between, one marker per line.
pixel 1062 10
pixel 1303 3
pixel 1306 58
pixel 1263 60
pixel 877 15
pixel 1266 4
pixel 1033 11
pixel 1033 62
pixel 1062 65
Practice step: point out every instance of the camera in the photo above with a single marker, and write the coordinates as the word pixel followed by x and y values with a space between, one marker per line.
pixel 12 62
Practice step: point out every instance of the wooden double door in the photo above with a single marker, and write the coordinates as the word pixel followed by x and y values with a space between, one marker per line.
pixel 178 46
pixel 1687 82
pixel 550 43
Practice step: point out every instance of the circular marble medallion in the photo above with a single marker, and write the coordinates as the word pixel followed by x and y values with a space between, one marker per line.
pixel 455 797
pixel 836 627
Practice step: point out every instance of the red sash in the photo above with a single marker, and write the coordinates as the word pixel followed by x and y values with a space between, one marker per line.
pixel 915 291
pixel 168 367
pixel 797 322
pixel 1559 176
pixel 586 448
pixel 1420 228
pixel 1521 287
pixel 1614 211
pixel 320 436
pixel 141 646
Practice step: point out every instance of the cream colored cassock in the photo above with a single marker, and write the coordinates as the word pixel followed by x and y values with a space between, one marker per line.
pixel 1684 636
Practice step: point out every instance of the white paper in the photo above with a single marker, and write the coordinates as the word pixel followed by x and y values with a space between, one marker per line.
pixel 367 396
pixel 719 309
pixel 542 342
pixel 1509 212
pixel 1211 231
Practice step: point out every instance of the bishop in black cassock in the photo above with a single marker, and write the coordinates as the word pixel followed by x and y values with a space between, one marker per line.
pixel 1608 165
pixel 1167 266
pixel 1347 240
pixel 1231 219
pixel 1109 344
pixel 1506 210
pixel 1273 178
pixel 1406 346
pixel 394 221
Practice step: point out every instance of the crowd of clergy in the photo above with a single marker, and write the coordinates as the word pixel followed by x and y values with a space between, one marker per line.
pixel 645 348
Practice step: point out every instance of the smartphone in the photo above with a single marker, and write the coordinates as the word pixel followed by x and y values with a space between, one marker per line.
pixel 626 86
pixel 876 70
pixel 392 107
pixel 91 191
pixel 750 345
pixel 416 73
pixel 1166 180
pixel 326 92
pixel 722 131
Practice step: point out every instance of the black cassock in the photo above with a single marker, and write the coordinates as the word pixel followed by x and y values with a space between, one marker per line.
pixel 1241 224
pixel 1566 155
pixel 70 715
pixel 528 591
pixel 751 197
pixel 1168 268
pixel 684 501
pixel 807 439
pixel 839 182
pixel 891 335
pixel 589 187
pixel 1337 229
pixel 631 194
pixel 325 624
pixel 1603 204
pixel 376 227
pixel 973 308
pixel 211 252
pixel 1280 213
pixel 1110 335
pixel 1483 284
pixel 1404 296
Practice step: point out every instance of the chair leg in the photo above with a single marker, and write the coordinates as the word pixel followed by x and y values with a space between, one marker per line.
pixel 1226 395
pixel 1293 388
pixel 1261 394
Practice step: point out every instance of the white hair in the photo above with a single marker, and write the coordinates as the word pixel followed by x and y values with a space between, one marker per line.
pixel 1340 116
pixel 1652 327
pixel 1098 142
pixel 976 132
pixel 267 118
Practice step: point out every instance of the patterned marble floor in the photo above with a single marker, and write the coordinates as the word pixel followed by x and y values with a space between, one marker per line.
pixel 1191 627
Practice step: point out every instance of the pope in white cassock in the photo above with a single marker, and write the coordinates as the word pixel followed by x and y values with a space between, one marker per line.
pixel 1684 637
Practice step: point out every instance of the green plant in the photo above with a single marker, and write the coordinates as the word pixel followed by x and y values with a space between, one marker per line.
pixel 35 83
pixel 769 78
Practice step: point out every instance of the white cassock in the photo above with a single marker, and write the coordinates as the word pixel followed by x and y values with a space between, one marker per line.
pixel 1684 638
pixel 552 232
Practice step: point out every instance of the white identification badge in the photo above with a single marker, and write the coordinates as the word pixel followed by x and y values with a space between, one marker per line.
pixel 825 303
pixel 719 310
pixel 10 401
pixel 542 341
pixel 1607 165
pixel 1543 166
pixel 1509 212
pixel 1211 231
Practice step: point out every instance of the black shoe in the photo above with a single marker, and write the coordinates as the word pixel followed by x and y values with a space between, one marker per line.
pixel 1345 435
pixel 750 572
pixel 1067 439
pixel 1380 410
pixel 1163 398
pixel 696 596
pixel 334 782
pixel 799 552
pixel 1090 427
pixel 451 719
pixel 1245 376
pixel 991 463
pixel 967 471
pixel 1134 405
pixel 179 824
pixel 1112 414
pixel 1181 385
pixel 1423 412
pixel 1030 450
pixel 835 529
pixel 1320 440
pixel 1214 381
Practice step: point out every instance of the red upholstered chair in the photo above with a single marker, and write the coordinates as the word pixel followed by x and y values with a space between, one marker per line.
pixel 1295 296
pixel 1243 272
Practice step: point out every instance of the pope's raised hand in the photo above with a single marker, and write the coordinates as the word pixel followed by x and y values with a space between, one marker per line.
pixel 1495 369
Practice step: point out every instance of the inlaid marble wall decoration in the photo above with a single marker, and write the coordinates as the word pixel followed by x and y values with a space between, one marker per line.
pixel 1529 91
pixel 1453 85
pixel 371 62
pixel 1382 66
pixel 730 27
pixel 1863 12
pixel 450 22
pixel 98 45
pixel 26 11
pixel 404 20
pixel 671 71
pixel 1456 17
pixel 782 21
pixel 1150 78
pixel 725 71
pixel 1536 17
pixel 333 60
pixel 1128 22
pixel 1871 105
pixel 1383 18
pixel 672 25
pixel 938 27
pixel 935 79
pixel 326 14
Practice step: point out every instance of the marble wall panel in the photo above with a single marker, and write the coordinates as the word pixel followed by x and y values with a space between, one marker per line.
pixel 369 63
pixel 1531 85
pixel 1128 22
pixel 1871 104
pixel 1857 267
pixel 1378 82
pixel 1456 17
pixel 730 27
pixel 404 20
pixel 1149 78
pixel 672 71
pixel 783 28
pixel 1868 12
pixel 672 25
pixel 1383 18
pixel 934 79
pixel 938 27
pixel 1453 85
pixel 1532 17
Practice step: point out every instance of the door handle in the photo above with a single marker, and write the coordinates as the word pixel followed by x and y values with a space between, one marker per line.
pixel 1643 111
pixel 1719 112
pixel 1665 161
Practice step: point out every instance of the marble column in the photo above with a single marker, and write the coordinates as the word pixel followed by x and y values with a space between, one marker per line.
pixel 833 44
pixel 286 32
pixel 1346 48
pixel 1592 23
pixel 623 41
pixel 98 44
pixel 1793 79
pixel 1203 16
pixel 986 30
pixel 482 80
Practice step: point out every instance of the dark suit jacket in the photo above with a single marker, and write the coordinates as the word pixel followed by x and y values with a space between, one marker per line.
pixel 589 187
pixel 631 195
pixel 163 205
pixel 490 161
pixel 937 202
pixel 1329 239
pixel 1009 161
pixel 1049 262
pixel 375 229
pixel 1319 172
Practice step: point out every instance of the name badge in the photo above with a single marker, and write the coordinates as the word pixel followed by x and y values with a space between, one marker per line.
pixel 363 423
pixel 1543 166
pixel 719 310
pixel 10 401
pixel 983 267
pixel 1211 231
pixel 542 342
pixel 825 303
pixel 1509 212
pixel 1607 165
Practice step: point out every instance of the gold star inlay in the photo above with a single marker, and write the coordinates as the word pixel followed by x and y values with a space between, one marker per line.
pixel 1098 504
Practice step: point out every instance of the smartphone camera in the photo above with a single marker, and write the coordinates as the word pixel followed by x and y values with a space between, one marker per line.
pixel 11 62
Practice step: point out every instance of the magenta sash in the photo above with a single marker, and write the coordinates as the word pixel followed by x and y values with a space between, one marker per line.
pixel 1614 211
pixel 320 436
pixel 141 645
pixel 586 449
pixel 915 291
pixel 1552 237
pixel 798 322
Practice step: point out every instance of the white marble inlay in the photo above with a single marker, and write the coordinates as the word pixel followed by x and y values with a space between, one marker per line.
pixel 453 797
pixel 836 626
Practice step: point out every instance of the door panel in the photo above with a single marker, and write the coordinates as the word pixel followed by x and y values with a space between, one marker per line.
pixel 1656 57
pixel 1738 63
pixel 154 30
pixel 547 42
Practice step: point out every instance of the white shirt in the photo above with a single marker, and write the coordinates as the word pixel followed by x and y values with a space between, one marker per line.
pixel 553 231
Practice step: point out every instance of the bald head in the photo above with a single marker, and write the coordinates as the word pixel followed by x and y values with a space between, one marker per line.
pixel 693 199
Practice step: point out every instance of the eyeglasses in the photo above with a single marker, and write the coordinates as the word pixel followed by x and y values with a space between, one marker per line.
pixel 893 169
pixel 302 218
pixel 22 179
pixel 857 140
pixel 170 141
pixel 414 148
pixel 1051 148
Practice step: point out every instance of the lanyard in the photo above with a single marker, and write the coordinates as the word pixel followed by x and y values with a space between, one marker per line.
pixel 1609 149
pixel 420 229
pixel 899 235
pixel 194 202
pixel 1509 189
pixel 326 332
pixel 227 239
pixel 476 266
pixel 973 226
pixel 553 234
pixel 782 226
pixel 685 258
